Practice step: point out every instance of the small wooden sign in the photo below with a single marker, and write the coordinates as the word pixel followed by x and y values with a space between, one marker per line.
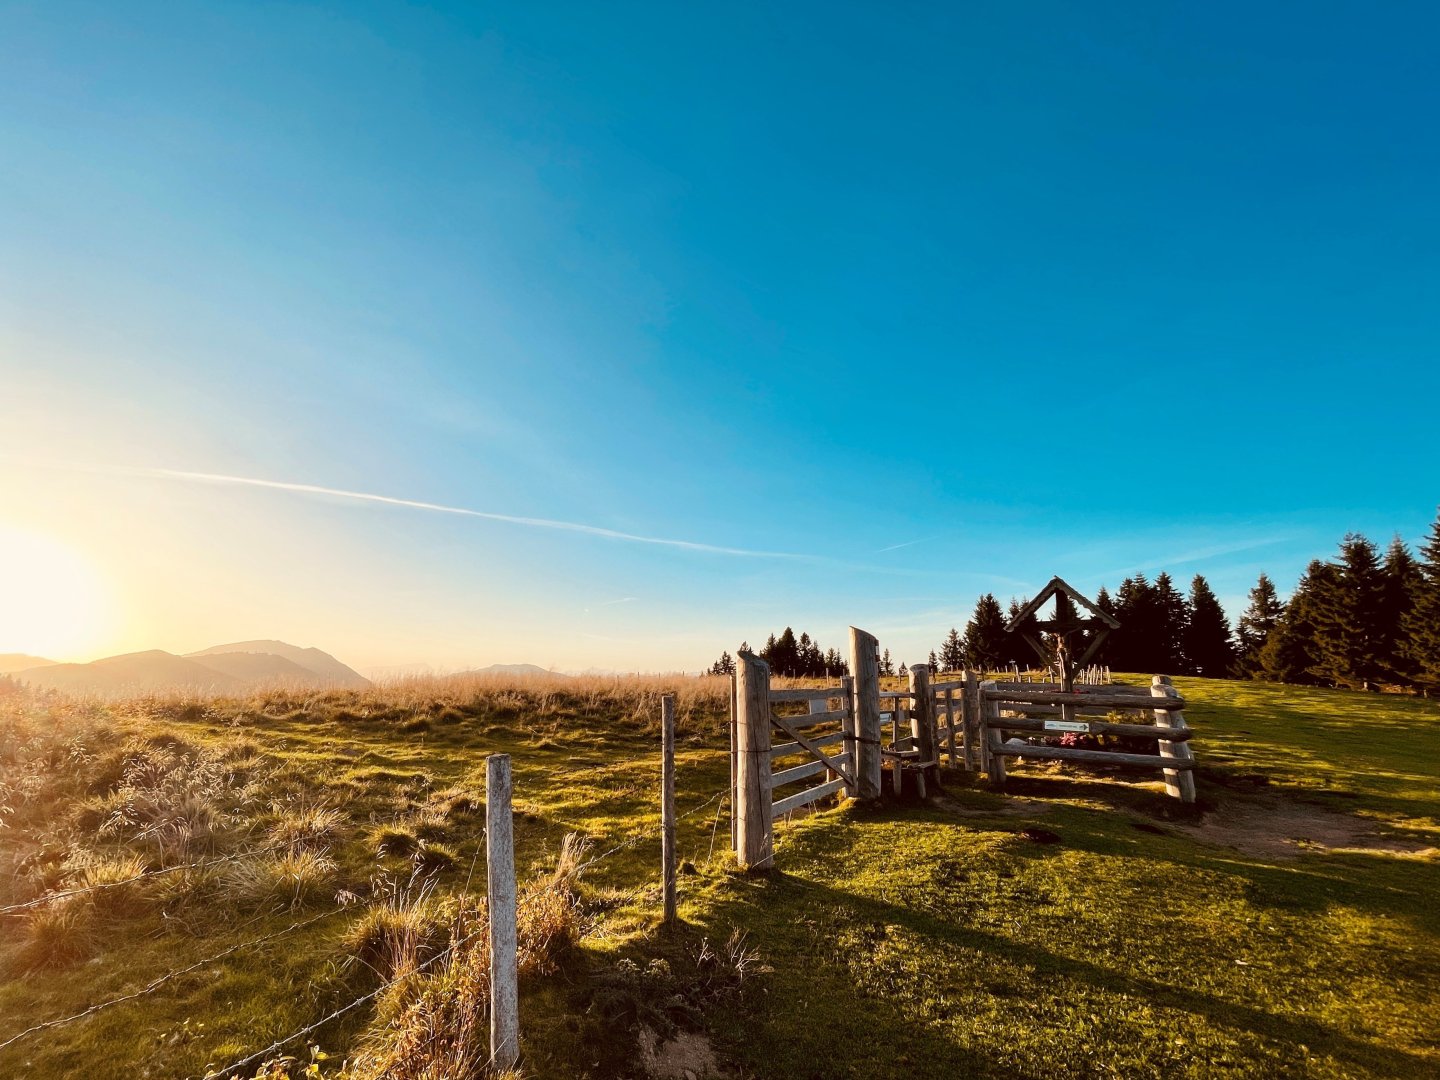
pixel 1066 725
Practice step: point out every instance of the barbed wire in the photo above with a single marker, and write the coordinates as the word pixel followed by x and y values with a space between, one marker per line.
pixel 155 984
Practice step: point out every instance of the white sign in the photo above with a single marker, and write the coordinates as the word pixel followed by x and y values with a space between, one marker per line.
pixel 1065 725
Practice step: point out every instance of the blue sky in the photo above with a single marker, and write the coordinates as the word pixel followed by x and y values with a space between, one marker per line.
pixel 928 301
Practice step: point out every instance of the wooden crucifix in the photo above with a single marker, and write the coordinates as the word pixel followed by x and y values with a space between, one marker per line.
pixel 1066 623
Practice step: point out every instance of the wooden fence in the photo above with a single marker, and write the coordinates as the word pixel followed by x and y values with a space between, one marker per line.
pixel 971 723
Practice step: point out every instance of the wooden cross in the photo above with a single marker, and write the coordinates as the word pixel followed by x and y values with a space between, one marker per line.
pixel 1100 622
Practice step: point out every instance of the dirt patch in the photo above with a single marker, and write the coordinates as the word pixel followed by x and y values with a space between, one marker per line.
pixel 1274 827
pixel 688 1056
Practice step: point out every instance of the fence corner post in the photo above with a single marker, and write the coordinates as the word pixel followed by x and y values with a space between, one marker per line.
pixel 922 722
pixel 991 734
pixel 500 890
pixel 865 662
pixel 667 803
pixel 755 838
pixel 1179 783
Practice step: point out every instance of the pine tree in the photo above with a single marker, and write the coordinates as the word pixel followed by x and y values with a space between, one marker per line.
pixel 1422 624
pixel 1107 605
pixel 1291 653
pixel 1013 646
pixel 1402 585
pixel 1255 625
pixel 933 662
pixel 1174 618
pixel 887 666
pixel 724 666
pixel 1133 646
pixel 1208 645
pixel 952 652
pixel 985 637
pixel 904 671
pixel 1348 613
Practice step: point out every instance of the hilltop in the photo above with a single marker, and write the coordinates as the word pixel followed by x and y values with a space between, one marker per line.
pixel 221 669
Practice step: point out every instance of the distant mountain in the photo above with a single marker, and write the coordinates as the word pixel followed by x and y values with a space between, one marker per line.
pixel 224 669
pixel 330 671
pixel 18 661
pixel 512 669
pixel 129 674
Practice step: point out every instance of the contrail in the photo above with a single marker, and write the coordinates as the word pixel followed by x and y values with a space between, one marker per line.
pixel 438 508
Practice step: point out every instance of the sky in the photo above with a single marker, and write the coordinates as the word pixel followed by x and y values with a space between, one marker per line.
pixel 609 336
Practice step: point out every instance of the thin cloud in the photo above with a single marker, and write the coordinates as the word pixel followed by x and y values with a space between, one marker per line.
pixel 1198 555
pixel 441 508
pixel 622 600
pixel 907 543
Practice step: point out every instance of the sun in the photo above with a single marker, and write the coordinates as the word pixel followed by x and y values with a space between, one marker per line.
pixel 53 601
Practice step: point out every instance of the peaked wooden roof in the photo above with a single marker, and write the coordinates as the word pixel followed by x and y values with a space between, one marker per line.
pixel 1059 584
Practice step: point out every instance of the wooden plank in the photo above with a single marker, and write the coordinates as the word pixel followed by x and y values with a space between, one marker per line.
pixel 813 718
pixel 780 750
pixel 1118 701
pixel 810 768
pixel 896 694
pixel 823 693
pixel 806 797
pixel 849 777
pixel 922 716
pixel 953 684
pixel 1098 727
pixel 1089 757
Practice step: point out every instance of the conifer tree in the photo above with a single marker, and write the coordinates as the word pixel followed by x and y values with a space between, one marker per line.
pixel 1174 618
pixel 1402 585
pixel 952 652
pixel 1422 624
pixel 1349 607
pixel 1290 653
pixel 985 637
pixel 1107 605
pixel 904 671
pixel 933 662
pixel 1133 646
pixel 1013 646
pixel 887 666
pixel 1209 649
pixel 1255 625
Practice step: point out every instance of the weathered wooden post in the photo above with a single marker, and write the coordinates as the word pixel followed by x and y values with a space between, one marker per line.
pixel 993 736
pixel 755 840
pixel 865 662
pixel 667 804
pixel 852 791
pixel 504 942
pixel 922 722
pixel 1179 783
pixel 950 723
pixel 734 798
pixel 975 757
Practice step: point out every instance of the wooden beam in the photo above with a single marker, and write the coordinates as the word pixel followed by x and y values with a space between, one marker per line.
pixel 805 798
pixel 1090 757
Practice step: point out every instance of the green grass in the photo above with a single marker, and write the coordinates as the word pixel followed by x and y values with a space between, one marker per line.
pixel 913 940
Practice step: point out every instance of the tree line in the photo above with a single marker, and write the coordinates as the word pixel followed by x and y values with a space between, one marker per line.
pixel 791 657
pixel 1362 620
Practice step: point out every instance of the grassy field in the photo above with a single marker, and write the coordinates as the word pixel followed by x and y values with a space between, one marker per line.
pixel 1287 929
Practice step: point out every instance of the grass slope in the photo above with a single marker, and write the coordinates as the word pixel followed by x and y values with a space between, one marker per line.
pixel 1290 930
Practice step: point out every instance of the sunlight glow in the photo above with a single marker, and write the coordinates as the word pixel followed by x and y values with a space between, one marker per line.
pixel 53 602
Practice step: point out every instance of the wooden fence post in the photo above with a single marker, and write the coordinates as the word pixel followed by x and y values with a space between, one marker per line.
pixel 667 804
pixel 865 662
pixel 734 798
pixel 950 723
pixel 970 718
pixel 1179 783
pixel 756 840
pixel 500 882
pixel 992 735
pixel 922 720
pixel 852 791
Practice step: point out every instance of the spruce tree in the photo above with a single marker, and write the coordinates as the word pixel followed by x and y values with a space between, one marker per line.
pixel 1209 648
pixel 1133 647
pixel 985 637
pixel 1422 624
pixel 887 666
pixel 1349 608
pixel 904 671
pixel 1173 620
pixel 1402 585
pixel 1107 605
pixel 952 652
pixel 1291 653
pixel 1255 625
pixel 1013 645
